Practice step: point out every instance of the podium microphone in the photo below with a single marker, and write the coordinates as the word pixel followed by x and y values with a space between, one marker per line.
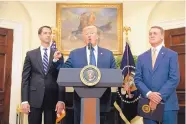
pixel 90 48
pixel 89 45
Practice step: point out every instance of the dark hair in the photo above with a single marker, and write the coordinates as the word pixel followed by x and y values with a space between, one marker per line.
pixel 41 28
pixel 160 28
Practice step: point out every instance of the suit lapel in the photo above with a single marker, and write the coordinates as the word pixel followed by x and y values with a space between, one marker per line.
pixel 85 62
pixel 39 59
pixel 100 57
pixel 160 56
pixel 149 58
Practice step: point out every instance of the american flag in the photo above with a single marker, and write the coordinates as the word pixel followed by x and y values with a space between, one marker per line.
pixel 53 45
pixel 127 107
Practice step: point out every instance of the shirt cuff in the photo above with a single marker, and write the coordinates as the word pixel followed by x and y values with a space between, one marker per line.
pixel 55 60
pixel 25 102
pixel 148 93
pixel 61 102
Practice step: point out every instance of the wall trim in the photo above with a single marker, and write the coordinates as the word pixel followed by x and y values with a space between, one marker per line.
pixel 171 24
pixel 16 65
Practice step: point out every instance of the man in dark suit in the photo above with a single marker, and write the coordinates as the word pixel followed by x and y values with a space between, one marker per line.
pixel 157 76
pixel 102 58
pixel 39 90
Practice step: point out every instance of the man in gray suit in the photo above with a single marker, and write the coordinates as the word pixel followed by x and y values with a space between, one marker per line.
pixel 39 90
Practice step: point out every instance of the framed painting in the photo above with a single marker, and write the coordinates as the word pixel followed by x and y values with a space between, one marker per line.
pixel 71 18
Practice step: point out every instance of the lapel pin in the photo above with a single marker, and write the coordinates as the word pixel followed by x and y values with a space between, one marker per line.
pixel 162 53
pixel 101 53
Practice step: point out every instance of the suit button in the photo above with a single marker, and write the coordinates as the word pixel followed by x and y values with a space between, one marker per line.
pixel 44 87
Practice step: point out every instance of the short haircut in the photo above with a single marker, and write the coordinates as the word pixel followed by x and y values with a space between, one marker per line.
pixel 41 29
pixel 89 26
pixel 160 28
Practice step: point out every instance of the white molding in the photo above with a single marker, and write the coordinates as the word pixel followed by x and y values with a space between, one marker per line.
pixel 16 65
pixel 171 24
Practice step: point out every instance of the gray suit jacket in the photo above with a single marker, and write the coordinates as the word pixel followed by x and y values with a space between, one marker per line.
pixel 36 85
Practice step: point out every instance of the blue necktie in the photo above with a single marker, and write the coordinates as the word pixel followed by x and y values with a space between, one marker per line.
pixel 45 60
pixel 92 58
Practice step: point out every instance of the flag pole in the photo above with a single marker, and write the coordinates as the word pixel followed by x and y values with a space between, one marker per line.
pixel 126 29
pixel 53 44
pixel 54 32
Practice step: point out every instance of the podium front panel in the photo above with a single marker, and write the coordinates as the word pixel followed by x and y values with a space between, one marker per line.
pixel 70 77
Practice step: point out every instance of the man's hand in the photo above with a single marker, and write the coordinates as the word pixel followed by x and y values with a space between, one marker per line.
pixel 126 87
pixel 60 106
pixel 57 55
pixel 152 105
pixel 25 107
pixel 155 97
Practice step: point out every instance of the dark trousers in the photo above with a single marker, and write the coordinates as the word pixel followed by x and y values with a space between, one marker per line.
pixel 35 116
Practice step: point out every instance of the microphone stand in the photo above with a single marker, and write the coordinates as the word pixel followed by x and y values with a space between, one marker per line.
pixel 90 48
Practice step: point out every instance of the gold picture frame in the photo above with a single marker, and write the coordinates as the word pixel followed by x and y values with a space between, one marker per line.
pixel 71 17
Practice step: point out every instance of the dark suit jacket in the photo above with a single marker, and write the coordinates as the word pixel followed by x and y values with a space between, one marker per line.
pixel 78 59
pixel 164 78
pixel 36 86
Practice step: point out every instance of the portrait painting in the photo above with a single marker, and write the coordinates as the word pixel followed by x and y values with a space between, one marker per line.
pixel 72 18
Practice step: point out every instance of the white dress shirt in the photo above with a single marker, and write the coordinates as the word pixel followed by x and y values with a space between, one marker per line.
pixel 95 54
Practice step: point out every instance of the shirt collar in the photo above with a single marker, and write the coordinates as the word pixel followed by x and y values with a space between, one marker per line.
pixel 158 48
pixel 95 48
pixel 41 48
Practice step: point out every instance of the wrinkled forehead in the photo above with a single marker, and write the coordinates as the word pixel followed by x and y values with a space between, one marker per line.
pixel 155 30
pixel 90 28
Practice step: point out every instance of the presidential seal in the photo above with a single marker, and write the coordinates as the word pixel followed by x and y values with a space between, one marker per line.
pixel 90 75
pixel 146 108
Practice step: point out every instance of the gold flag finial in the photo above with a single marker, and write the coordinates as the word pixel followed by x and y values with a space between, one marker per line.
pixel 54 33
pixel 126 29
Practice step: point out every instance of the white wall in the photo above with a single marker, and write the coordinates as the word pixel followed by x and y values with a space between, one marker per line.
pixel 28 16
pixel 168 14
pixel 136 16
pixel 157 16
pixel 41 13
pixel 15 11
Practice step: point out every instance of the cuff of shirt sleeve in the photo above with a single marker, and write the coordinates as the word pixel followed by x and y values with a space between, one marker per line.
pixel 61 102
pixel 55 60
pixel 25 102
pixel 147 95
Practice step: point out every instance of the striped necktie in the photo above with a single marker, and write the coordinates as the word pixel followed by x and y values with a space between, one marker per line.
pixel 45 60
pixel 92 58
